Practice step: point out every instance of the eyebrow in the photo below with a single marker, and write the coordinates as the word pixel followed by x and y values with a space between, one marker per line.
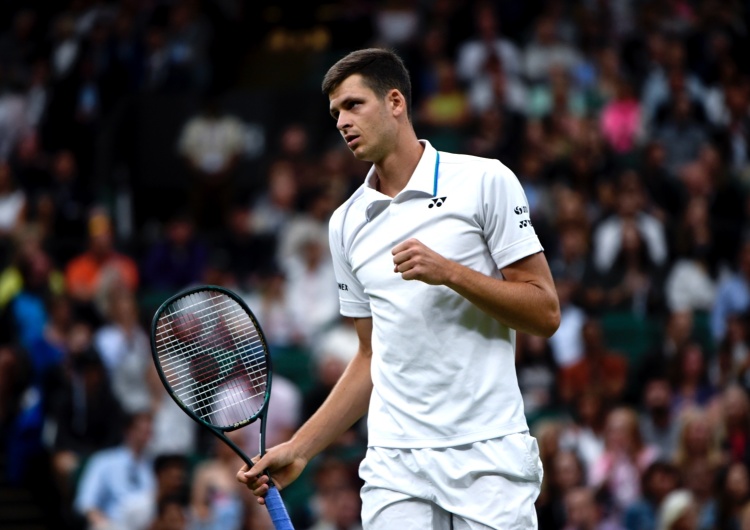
pixel 344 102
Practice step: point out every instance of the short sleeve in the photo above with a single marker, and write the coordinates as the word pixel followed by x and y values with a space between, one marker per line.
pixel 352 298
pixel 507 225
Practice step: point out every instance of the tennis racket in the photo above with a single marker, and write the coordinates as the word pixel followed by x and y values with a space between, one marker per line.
pixel 213 359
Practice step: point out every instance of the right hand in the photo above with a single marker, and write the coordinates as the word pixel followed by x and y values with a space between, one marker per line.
pixel 284 464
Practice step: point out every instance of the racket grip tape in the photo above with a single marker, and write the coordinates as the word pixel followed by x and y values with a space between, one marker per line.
pixel 277 510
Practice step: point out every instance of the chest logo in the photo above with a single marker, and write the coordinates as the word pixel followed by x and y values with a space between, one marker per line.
pixel 437 201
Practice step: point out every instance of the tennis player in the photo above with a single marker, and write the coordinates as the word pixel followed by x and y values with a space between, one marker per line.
pixel 438 264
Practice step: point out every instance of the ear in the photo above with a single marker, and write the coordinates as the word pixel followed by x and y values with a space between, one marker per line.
pixel 395 99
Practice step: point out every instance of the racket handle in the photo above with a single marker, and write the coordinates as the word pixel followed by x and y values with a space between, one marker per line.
pixel 276 508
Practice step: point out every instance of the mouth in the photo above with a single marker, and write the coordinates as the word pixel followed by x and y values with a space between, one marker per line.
pixel 350 140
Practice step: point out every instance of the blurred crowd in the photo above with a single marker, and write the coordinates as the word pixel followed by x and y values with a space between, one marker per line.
pixel 627 123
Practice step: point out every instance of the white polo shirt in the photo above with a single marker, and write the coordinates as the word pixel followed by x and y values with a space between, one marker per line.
pixel 443 370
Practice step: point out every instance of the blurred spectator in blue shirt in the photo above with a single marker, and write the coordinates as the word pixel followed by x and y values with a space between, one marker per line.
pixel 178 258
pixel 733 294
pixel 112 475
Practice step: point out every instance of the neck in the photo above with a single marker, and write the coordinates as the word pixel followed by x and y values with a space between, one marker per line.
pixel 395 169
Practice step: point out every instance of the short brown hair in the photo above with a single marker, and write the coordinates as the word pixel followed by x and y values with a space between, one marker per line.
pixel 381 69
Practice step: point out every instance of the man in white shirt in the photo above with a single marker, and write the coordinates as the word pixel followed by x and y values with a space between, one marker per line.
pixel 438 264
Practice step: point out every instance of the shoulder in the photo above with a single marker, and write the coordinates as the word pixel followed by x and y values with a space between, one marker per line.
pixel 465 170
pixel 460 161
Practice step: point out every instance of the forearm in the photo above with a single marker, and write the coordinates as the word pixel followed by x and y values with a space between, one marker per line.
pixel 528 306
pixel 347 403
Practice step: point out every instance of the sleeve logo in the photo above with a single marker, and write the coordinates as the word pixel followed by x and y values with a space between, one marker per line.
pixel 343 287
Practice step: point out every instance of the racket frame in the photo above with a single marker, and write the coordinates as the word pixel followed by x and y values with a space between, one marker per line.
pixel 262 411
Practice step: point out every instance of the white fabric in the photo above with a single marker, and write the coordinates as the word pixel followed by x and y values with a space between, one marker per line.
pixel 174 431
pixel 567 342
pixel 607 240
pixel 473 55
pixel 689 287
pixel 11 206
pixel 443 370
pixel 314 303
pixel 211 143
pixel 128 361
pixel 486 485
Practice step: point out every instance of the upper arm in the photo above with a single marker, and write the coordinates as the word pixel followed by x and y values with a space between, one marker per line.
pixel 532 269
pixel 364 334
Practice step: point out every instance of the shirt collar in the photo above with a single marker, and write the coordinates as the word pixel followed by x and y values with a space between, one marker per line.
pixel 421 183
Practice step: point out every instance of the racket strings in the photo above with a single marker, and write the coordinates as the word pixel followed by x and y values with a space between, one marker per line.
pixel 213 357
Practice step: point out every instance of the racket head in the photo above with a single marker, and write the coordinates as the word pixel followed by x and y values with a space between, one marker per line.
pixel 212 357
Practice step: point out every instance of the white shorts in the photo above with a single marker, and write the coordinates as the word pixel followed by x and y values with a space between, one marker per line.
pixel 491 484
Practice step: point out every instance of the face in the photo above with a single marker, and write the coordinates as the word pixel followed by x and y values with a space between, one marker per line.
pixel 366 122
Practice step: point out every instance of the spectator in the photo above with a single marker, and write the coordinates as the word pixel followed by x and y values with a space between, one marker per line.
pixel 585 433
pixel 13 204
pixel 171 514
pixel 558 98
pixel 681 134
pixel 12 116
pixel 618 470
pixel 698 442
pixel 599 369
pixel 188 41
pixel 308 222
pixel 545 50
pixel 632 284
pixel 295 149
pixel 566 474
pixel 25 286
pixel 730 363
pixel 125 350
pixel 310 281
pixel 732 293
pixel 733 493
pixel 252 253
pixel 691 387
pixel 537 375
pixel 273 307
pixel 607 239
pixel 621 119
pixel 692 280
pixel 177 259
pixel 174 432
pixel 336 503
pixel 735 423
pixel 111 475
pixel 331 355
pixel 487 41
pixel 659 480
pixel 586 512
pixel 94 274
pixel 699 478
pixel 139 511
pixel 446 112
pixel 211 143
pixel 567 342
pixel 271 210
pixel 69 201
pixel 678 512
pixel 658 424
pixel 84 414
pixel 216 499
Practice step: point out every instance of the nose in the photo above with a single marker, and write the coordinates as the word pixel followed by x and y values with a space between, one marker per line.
pixel 342 123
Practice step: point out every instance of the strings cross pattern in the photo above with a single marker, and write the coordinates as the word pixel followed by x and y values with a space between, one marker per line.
pixel 213 358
